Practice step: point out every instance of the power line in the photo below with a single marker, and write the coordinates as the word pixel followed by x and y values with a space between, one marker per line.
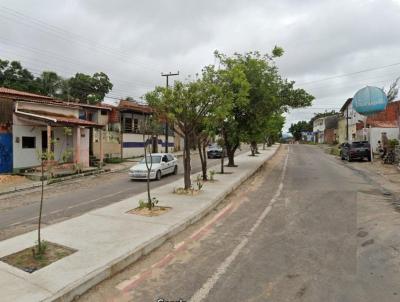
pixel 92 45
pixel 349 74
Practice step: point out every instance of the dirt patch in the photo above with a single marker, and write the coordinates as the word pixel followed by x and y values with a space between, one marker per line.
pixel 182 191
pixel 25 260
pixel 155 211
pixel 14 179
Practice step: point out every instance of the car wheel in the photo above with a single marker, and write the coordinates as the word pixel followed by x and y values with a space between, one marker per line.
pixel 369 158
pixel 176 170
pixel 158 175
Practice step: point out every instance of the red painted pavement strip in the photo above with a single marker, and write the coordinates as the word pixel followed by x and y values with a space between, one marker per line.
pixel 130 284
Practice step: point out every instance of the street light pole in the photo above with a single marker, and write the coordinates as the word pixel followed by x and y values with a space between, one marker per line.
pixel 167 75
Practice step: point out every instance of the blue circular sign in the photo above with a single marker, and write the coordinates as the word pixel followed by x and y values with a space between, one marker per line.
pixel 369 100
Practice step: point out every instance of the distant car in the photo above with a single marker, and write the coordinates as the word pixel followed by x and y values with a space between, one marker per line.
pixel 355 150
pixel 162 164
pixel 214 151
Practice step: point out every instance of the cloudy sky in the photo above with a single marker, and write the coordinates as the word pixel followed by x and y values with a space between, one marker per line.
pixel 332 48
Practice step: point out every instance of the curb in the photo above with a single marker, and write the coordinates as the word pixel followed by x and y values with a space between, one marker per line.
pixel 80 287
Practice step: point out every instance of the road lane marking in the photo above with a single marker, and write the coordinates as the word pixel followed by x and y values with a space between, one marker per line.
pixel 131 283
pixel 203 292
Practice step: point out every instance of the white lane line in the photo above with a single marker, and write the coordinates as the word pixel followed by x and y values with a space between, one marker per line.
pixel 203 292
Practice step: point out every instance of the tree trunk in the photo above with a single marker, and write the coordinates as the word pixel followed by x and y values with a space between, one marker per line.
pixel 231 157
pixel 253 148
pixel 41 210
pixel 203 158
pixel 222 162
pixel 186 163
pixel 149 203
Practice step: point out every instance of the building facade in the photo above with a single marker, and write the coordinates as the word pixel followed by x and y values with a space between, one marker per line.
pixel 33 126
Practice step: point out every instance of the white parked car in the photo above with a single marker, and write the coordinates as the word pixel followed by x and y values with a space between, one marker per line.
pixel 163 164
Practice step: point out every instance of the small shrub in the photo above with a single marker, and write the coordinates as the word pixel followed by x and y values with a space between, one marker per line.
pixel 77 168
pixel 335 151
pixel 144 203
pixel 212 173
pixel 113 160
pixel 39 250
pixel 199 182
pixel 393 143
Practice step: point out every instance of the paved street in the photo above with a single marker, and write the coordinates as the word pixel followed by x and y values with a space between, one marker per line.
pixel 18 211
pixel 305 228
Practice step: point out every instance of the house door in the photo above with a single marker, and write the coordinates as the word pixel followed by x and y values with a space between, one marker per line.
pixel 44 141
pixel 6 153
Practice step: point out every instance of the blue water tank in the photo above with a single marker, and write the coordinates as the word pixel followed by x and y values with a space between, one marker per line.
pixel 369 100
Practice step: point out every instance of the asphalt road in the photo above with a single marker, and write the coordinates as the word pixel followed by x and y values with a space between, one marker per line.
pixel 305 228
pixel 19 212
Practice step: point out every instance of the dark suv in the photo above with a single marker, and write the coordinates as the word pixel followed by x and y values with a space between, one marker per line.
pixel 355 150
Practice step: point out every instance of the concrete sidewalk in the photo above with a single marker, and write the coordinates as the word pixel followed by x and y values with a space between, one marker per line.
pixel 108 239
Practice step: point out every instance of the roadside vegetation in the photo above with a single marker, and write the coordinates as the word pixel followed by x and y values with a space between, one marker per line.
pixel 241 100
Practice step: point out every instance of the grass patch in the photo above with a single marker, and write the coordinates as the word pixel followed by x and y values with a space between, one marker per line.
pixel 334 151
pixel 155 211
pixel 113 160
pixel 190 192
pixel 26 261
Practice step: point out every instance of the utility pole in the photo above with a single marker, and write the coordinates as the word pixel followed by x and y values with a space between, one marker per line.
pixel 167 75
pixel 347 123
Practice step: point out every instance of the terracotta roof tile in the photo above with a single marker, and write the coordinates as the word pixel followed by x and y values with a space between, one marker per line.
pixel 383 124
pixel 124 104
pixel 40 115
pixel 13 92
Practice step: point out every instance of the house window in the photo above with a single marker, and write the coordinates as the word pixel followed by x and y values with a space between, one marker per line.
pixel 103 112
pixel 128 124
pixel 28 142
pixel 136 125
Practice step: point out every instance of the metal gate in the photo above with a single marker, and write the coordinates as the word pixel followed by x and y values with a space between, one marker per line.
pixel 6 154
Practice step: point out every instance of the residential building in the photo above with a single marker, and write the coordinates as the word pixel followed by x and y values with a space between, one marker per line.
pixel 319 130
pixel 383 122
pixel 330 132
pixel 31 125
pixel 105 140
pixel 351 119
pixel 132 116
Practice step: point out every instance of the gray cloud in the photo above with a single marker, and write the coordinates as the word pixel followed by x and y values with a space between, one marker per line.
pixel 134 41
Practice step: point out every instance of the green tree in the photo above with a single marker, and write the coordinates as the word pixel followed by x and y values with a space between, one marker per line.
pixel 185 105
pixel 269 94
pixel 50 84
pixel 208 125
pixel 273 129
pixel 89 89
pixel 14 76
pixel 299 127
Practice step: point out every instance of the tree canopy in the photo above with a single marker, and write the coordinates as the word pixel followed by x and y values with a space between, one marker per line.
pixel 297 128
pixel 243 100
pixel 81 87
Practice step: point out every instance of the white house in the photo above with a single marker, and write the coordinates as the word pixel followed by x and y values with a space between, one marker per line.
pixel 319 129
pixel 33 124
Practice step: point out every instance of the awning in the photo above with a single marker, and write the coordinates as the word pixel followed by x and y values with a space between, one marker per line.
pixel 56 120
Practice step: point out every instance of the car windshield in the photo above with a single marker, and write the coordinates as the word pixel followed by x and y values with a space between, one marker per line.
pixel 359 144
pixel 154 158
